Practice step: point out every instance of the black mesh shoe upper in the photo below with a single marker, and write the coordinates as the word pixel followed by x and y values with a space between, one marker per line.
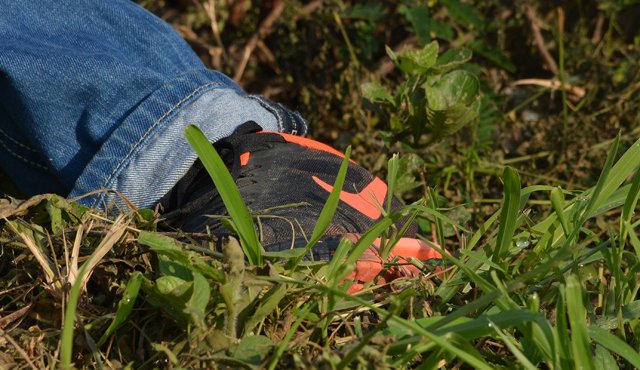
pixel 285 181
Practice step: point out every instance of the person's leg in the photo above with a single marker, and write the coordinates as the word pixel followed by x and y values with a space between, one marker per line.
pixel 96 94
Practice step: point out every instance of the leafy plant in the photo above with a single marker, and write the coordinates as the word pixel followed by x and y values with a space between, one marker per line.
pixel 436 97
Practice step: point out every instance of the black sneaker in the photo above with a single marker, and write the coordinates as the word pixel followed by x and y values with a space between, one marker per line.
pixel 285 181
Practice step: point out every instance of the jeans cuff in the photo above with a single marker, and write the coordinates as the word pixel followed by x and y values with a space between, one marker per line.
pixel 289 122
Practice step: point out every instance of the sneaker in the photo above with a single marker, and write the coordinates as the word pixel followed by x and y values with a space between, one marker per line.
pixel 285 181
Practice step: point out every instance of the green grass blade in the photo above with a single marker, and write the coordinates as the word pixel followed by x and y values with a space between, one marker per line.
pixel 302 313
pixel 340 254
pixel 482 230
pixel 480 326
pixel 615 344
pixel 509 214
pixel 367 239
pixel 433 203
pixel 268 303
pixel 628 209
pixel 328 210
pixel 624 167
pixel 563 347
pixel 437 215
pixel 510 342
pixel 392 177
pixel 604 187
pixel 229 193
pixel 632 198
pixel 125 305
pixel 557 202
pixel 578 321
pixel 66 338
pixel 633 238
pixel 440 341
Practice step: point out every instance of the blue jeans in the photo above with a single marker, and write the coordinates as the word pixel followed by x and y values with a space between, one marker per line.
pixel 97 94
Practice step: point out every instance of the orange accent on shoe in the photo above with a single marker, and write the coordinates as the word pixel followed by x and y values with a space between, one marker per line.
pixel 309 143
pixel 364 200
pixel 370 265
pixel 244 158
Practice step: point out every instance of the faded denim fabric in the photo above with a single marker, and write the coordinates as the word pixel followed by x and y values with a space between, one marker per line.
pixel 97 94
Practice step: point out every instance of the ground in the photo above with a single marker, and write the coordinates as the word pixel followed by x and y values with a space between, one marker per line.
pixel 533 198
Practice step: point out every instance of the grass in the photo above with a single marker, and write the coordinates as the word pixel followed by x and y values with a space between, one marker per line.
pixel 544 262
pixel 532 312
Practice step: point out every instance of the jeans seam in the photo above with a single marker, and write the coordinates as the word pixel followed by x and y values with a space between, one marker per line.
pixel 17 142
pixel 271 109
pixel 126 158
pixel 23 158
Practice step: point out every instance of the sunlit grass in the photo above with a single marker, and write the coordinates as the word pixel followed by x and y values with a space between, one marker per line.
pixel 498 302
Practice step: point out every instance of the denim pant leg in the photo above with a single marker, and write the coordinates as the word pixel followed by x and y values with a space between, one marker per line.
pixel 97 94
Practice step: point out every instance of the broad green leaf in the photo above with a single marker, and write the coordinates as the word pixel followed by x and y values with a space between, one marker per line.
pixel 125 305
pixel 451 59
pixel 418 62
pixel 479 47
pixel 464 13
pixel 629 312
pixel 163 245
pixel 371 12
pixel 170 294
pixel 268 303
pixel 603 360
pixel 54 208
pixel 229 193
pixel 408 166
pixel 615 344
pixel 452 102
pixel 457 87
pixel 170 267
pixel 173 287
pixel 423 24
pixel 196 306
pixel 509 214
pixel 377 93
pixel 253 349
